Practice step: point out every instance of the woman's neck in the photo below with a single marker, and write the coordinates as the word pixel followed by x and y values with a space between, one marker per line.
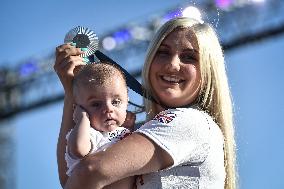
pixel 159 108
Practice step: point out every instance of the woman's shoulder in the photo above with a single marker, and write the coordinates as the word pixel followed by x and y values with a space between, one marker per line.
pixel 180 120
pixel 190 114
pixel 180 116
pixel 191 119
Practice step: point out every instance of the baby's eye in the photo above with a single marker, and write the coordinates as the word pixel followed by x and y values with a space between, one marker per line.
pixel 116 102
pixel 95 104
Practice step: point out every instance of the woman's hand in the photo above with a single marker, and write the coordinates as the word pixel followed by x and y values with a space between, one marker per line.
pixel 67 58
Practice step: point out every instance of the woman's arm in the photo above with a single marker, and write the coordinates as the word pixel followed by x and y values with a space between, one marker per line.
pixel 66 125
pixel 134 155
pixel 67 58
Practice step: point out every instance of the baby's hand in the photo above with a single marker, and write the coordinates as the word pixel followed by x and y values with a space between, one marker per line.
pixel 79 113
pixel 129 121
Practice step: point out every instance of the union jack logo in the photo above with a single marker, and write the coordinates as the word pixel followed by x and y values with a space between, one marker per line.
pixel 165 117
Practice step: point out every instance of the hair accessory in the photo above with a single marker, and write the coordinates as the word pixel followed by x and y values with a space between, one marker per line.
pixel 83 38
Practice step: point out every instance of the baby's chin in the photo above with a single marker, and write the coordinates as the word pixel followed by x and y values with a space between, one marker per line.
pixel 111 127
pixel 107 127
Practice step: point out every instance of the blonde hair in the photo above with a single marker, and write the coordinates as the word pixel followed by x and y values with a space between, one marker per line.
pixel 214 96
pixel 97 74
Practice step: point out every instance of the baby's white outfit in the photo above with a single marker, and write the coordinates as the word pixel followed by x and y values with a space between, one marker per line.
pixel 100 141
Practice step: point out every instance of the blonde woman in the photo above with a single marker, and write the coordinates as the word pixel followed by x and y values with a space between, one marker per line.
pixel 188 139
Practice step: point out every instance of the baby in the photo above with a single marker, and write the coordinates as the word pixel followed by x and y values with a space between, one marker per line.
pixel 100 94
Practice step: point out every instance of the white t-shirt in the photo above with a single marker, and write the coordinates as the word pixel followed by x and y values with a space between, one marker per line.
pixel 100 141
pixel 195 143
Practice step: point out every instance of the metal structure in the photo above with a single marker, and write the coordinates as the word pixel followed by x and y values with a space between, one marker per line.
pixel 33 83
pixel 7 156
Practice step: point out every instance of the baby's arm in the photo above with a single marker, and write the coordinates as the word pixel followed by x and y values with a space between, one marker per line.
pixel 79 143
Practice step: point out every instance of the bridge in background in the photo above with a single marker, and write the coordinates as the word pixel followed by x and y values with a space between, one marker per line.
pixel 33 83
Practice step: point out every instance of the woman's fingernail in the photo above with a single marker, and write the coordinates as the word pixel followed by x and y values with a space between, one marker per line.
pixel 73 44
pixel 84 49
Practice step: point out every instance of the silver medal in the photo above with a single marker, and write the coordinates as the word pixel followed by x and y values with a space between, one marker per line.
pixel 84 38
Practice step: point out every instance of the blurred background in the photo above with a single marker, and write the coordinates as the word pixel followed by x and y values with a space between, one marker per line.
pixel 31 98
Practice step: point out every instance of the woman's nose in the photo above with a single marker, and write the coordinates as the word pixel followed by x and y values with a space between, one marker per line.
pixel 174 64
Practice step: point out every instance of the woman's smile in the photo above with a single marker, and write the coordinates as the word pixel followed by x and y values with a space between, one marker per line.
pixel 171 79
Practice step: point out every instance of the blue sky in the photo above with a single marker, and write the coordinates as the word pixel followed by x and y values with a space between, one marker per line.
pixel 34 28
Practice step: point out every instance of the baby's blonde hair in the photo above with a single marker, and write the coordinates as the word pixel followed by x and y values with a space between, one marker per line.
pixel 97 74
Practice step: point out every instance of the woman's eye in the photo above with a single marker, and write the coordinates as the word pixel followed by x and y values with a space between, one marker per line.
pixel 162 53
pixel 188 58
pixel 116 102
